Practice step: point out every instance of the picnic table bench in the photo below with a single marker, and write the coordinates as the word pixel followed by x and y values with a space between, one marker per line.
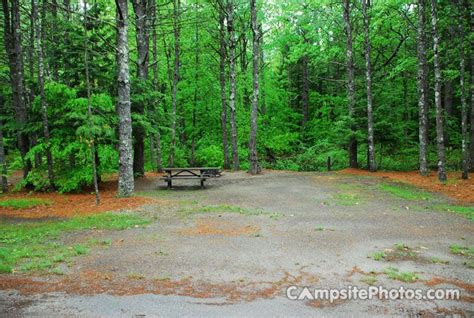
pixel 201 173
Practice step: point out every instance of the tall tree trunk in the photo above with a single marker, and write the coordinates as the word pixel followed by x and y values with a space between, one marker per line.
pixel 55 52
pixel 263 106
pixel 464 109
pixel 254 166
pixel 305 91
pixel 222 75
pixel 422 82
pixel 126 183
pixel 12 38
pixel 233 123
pixel 439 108
pixel 142 37
pixel 3 162
pixel 196 87
pixel 89 108
pixel 467 10
pixel 156 84
pixel 352 148
pixel 176 8
pixel 44 107
pixel 370 120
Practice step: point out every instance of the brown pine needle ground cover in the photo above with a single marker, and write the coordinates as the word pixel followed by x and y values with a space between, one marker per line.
pixel 456 188
pixel 58 205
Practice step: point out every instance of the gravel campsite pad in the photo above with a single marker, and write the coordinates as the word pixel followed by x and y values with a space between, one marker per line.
pixel 234 247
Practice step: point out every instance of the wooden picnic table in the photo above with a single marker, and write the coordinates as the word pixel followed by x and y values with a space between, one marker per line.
pixel 201 173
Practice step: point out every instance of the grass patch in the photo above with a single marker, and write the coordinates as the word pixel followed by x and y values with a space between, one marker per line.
pixel 34 246
pixel 347 199
pixel 436 260
pixel 369 280
pixel 186 212
pixel 322 228
pixel 23 203
pixel 405 192
pixel 467 211
pixel 395 274
pixel 378 256
pixel 462 250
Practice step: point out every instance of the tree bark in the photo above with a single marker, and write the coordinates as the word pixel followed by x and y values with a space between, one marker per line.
pixel 352 148
pixel 370 120
pixel 464 109
pixel 233 123
pixel 422 82
pixel 176 8
pixel 3 162
pixel 140 8
pixel 254 166
pixel 263 105
pixel 438 106
pixel 156 84
pixel 89 108
pixel 222 75
pixel 126 182
pixel 12 38
pixel 44 107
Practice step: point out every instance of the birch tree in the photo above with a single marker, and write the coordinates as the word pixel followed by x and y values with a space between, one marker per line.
pixel 126 182
pixel 422 83
pixel 176 8
pixel 352 148
pixel 44 106
pixel 254 166
pixel 368 65
pixel 233 87
pixel 437 92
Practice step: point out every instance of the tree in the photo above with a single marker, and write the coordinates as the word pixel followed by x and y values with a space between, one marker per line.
pixel 140 8
pixel 370 119
pixel 44 107
pixel 352 148
pixel 153 9
pixel 89 108
pixel 222 82
pixel 422 83
pixel 233 88
pixel 254 166
pixel 176 9
pixel 126 183
pixel 464 110
pixel 437 92
pixel 12 38
pixel 3 162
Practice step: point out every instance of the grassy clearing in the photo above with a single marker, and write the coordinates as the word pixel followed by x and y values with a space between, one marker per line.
pixel 23 203
pixel 35 246
pixel 396 274
pixel 467 211
pixel 405 192
pixel 186 212
pixel 347 199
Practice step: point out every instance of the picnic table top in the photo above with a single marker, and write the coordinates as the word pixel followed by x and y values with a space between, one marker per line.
pixel 191 168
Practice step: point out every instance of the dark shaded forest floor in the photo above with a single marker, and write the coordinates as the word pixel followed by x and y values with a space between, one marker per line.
pixel 234 247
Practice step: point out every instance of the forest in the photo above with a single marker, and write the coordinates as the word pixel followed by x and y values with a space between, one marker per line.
pixel 97 87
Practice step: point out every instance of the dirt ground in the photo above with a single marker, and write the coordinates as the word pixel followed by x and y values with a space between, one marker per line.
pixel 233 248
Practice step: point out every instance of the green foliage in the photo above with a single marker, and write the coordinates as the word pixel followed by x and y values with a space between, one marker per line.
pixel 23 203
pixel 33 246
